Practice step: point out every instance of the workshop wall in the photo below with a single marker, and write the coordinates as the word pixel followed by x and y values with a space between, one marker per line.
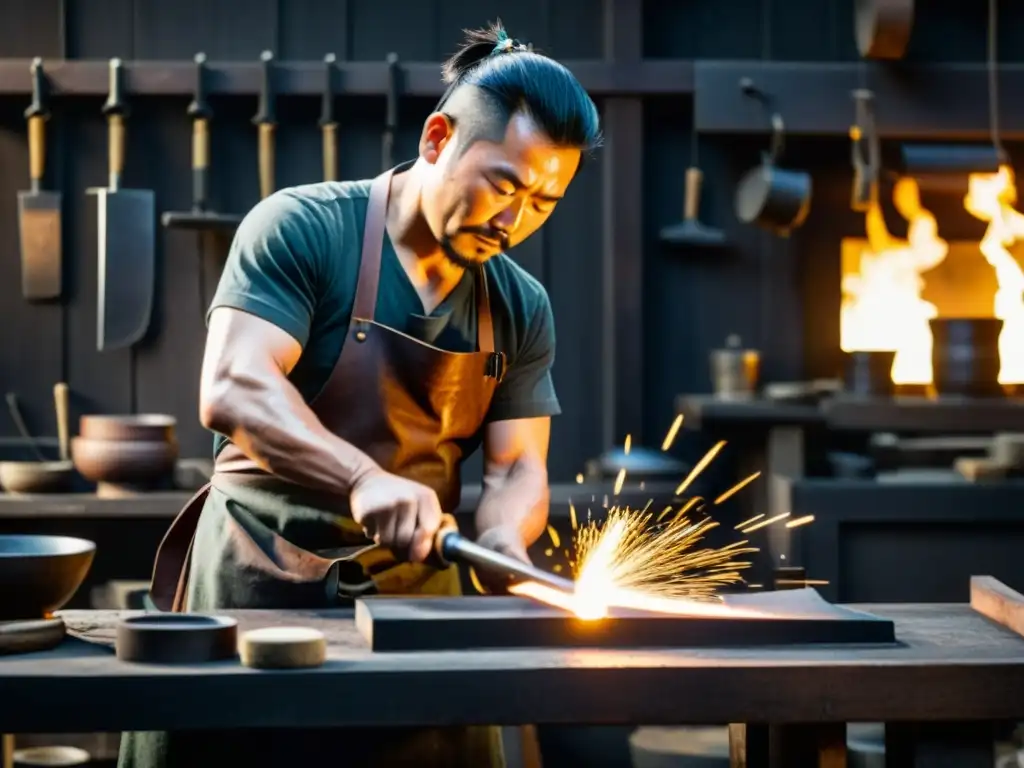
pixel 689 303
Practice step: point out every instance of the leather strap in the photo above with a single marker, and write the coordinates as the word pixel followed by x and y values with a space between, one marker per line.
pixel 368 283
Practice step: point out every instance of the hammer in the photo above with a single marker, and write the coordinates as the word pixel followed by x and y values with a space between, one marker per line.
pixel 450 546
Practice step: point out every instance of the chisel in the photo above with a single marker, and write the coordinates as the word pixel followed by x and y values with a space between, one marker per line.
pixel 264 121
pixel 450 547
pixel 328 127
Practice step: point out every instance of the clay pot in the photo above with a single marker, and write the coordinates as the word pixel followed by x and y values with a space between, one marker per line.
pixel 143 428
pixel 36 476
pixel 124 466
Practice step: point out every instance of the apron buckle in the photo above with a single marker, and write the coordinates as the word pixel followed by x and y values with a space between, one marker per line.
pixel 496 366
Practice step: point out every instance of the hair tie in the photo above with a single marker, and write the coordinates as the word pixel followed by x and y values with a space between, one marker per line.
pixel 506 44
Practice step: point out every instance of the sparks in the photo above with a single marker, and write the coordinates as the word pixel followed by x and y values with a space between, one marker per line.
pixel 670 437
pixel 700 466
pixel 627 553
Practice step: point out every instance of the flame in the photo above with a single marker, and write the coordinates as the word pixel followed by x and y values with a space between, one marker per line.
pixel 883 308
pixel 991 197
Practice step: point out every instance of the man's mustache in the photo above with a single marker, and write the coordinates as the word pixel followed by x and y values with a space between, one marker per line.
pixel 488 233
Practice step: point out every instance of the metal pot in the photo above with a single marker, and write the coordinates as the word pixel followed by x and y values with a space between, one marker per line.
pixel 772 197
pixel 734 370
pixel 965 356
pixel 869 373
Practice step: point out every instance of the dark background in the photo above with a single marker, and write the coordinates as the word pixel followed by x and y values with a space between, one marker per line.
pixel 779 295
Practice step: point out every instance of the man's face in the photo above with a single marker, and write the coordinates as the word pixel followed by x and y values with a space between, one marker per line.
pixel 488 197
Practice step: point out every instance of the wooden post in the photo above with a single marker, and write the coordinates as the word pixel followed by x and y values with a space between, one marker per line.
pixel 622 249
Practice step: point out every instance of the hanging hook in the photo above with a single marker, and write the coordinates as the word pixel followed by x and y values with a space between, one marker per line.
pixel 866 160
pixel 778 126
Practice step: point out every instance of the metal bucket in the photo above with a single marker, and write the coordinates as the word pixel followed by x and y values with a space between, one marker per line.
pixel 735 371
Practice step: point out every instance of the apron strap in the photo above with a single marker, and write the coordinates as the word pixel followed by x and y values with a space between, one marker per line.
pixel 484 322
pixel 365 303
pixel 170 570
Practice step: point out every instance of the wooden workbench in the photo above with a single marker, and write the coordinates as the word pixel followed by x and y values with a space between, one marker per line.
pixel 952 665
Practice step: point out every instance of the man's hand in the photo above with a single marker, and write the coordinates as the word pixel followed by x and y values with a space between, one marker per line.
pixel 506 540
pixel 397 513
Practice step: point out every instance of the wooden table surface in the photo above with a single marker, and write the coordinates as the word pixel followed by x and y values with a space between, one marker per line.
pixel 952 664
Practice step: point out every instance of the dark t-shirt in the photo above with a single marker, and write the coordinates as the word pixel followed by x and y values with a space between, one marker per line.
pixel 294 263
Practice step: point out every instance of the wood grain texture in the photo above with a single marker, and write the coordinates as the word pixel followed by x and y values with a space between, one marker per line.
pixel 993 599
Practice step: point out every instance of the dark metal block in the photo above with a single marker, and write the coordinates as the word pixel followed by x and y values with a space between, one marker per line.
pixel 793 617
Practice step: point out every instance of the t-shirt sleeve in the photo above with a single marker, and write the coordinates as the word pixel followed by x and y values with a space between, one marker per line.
pixel 274 267
pixel 528 391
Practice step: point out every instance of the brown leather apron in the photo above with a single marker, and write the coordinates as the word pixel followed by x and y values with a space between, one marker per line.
pixel 250 540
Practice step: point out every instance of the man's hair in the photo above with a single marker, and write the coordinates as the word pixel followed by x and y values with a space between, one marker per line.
pixel 492 76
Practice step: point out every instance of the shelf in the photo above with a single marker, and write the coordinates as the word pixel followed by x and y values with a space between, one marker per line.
pixel 946 415
pixel 708 411
pixel 306 78
pixel 933 101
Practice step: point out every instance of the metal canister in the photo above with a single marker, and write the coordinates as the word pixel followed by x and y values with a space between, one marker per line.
pixel 735 370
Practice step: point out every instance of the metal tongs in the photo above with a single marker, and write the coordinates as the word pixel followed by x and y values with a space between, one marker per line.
pixel 450 547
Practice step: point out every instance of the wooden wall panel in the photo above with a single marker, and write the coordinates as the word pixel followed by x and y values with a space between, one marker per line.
pixel 766 290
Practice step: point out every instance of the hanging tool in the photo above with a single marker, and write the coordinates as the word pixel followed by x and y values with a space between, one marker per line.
pixel 39 212
pixel 264 120
pixel 391 114
pixel 777 199
pixel 199 217
pixel 126 257
pixel 883 27
pixel 328 127
pixel 866 160
pixel 690 231
pixel 450 546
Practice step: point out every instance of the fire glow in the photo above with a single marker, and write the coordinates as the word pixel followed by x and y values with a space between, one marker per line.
pixel 883 308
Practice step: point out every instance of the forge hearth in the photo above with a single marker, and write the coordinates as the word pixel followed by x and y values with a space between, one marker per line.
pixel 894 286
pixel 790 617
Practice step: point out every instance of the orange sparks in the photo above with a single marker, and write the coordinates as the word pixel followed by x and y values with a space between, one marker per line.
pixel 798 521
pixel 738 487
pixel 763 523
pixel 670 437
pixel 700 466
pixel 745 523
pixel 619 480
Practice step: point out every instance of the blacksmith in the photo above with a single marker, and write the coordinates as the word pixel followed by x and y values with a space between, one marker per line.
pixel 366 337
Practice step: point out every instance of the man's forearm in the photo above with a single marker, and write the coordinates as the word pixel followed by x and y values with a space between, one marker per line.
pixel 516 497
pixel 272 425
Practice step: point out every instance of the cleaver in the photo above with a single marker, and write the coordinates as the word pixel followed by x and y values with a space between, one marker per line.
pixel 126 252
pixel 39 227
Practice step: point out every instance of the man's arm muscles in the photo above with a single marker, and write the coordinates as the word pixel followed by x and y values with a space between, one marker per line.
pixel 515 487
pixel 245 395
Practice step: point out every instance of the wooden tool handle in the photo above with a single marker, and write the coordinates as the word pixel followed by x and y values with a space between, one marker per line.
pixel 691 201
pixel 330 153
pixel 60 402
pixel 36 147
pixel 266 159
pixel 200 144
pixel 115 141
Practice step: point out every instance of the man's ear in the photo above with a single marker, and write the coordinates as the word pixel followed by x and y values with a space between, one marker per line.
pixel 438 130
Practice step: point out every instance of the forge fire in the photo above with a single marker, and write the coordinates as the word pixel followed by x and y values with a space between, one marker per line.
pixel 884 278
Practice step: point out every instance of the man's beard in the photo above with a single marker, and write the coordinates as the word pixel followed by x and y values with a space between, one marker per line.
pixel 464 262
